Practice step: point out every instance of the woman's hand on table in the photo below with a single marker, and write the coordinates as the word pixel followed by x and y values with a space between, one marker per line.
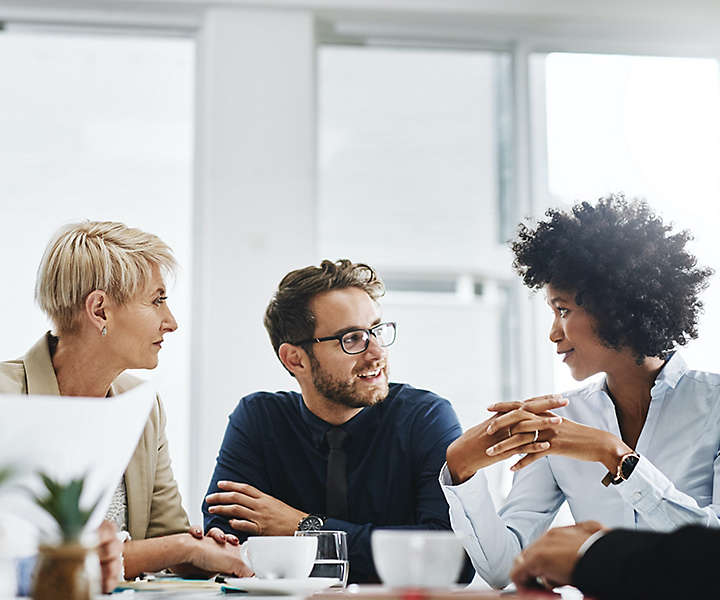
pixel 470 451
pixel 563 437
pixel 208 555
pixel 185 554
pixel 215 533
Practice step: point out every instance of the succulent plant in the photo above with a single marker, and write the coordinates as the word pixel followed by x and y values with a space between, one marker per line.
pixel 62 503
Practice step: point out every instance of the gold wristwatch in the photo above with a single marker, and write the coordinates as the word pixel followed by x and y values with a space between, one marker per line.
pixel 626 466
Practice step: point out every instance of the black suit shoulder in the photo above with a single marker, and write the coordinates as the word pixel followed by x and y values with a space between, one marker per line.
pixel 626 565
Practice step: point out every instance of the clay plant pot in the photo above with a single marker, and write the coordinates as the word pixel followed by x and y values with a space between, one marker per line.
pixel 66 572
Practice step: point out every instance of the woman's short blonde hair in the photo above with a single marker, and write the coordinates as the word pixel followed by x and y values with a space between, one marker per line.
pixel 96 255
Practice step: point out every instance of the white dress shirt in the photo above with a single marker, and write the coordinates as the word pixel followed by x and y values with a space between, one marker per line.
pixel 676 482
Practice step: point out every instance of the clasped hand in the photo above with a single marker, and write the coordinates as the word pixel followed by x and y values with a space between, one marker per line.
pixel 510 431
pixel 563 436
pixel 528 428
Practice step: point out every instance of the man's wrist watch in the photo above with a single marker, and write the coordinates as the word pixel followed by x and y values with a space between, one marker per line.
pixel 311 523
pixel 626 466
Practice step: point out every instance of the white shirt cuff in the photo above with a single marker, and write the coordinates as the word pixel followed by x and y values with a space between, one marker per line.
pixel 589 542
pixel 645 488
pixel 445 479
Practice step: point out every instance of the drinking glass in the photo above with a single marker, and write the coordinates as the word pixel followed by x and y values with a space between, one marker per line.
pixel 332 555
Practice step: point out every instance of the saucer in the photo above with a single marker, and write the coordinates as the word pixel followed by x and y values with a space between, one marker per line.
pixel 279 587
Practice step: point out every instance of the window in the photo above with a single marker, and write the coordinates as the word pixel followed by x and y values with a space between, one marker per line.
pixel 100 128
pixel 646 126
pixel 412 180
pixel 415 179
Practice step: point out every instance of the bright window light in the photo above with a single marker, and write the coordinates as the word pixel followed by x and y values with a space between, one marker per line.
pixel 649 127
pixel 100 128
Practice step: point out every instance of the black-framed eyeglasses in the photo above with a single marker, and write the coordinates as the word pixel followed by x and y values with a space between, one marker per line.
pixel 356 341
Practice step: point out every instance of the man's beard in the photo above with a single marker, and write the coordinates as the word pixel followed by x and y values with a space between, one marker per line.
pixel 342 392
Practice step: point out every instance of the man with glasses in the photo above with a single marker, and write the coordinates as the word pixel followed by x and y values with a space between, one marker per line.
pixel 351 452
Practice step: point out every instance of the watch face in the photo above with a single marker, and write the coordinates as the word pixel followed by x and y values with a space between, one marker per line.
pixel 628 465
pixel 311 522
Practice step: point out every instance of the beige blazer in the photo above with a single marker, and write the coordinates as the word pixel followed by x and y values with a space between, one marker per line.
pixel 154 503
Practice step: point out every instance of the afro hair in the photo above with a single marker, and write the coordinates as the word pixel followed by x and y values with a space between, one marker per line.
pixel 625 267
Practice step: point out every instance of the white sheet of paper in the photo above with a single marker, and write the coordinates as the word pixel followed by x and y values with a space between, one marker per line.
pixel 68 437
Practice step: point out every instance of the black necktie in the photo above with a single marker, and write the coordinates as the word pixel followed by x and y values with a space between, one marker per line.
pixel 336 486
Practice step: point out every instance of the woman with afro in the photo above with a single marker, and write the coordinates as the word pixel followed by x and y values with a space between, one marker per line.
pixel 636 449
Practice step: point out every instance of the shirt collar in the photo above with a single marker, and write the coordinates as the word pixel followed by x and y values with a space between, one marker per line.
pixel 668 377
pixel 598 385
pixel 315 424
pixel 675 367
pixel 318 428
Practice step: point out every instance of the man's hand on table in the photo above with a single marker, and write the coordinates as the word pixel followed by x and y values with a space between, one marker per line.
pixel 252 511
pixel 551 559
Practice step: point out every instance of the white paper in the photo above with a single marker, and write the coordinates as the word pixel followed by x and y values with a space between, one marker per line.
pixel 66 438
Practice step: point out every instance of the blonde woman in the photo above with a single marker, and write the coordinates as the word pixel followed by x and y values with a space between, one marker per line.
pixel 102 285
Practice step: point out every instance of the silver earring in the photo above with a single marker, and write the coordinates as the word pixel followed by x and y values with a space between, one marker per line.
pixel 104 331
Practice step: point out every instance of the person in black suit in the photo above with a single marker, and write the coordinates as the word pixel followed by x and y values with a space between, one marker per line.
pixel 623 564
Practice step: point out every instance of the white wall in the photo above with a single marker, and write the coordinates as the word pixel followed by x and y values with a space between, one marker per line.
pixel 255 207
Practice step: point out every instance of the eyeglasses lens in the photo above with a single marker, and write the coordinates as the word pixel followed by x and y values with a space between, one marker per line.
pixel 355 342
pixel 385 334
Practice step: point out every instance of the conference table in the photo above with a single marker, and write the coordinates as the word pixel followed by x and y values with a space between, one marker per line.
pixel 353 592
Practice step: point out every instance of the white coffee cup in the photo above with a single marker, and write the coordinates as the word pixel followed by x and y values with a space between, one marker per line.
pixel 280 556
pixel 415 558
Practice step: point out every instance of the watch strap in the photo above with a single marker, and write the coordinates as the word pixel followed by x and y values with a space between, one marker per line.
pixel 608 479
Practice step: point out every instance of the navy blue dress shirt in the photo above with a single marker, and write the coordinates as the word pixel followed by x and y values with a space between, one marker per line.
pixel 394 449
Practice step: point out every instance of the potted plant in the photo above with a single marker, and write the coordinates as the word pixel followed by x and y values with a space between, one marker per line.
pixel 67 570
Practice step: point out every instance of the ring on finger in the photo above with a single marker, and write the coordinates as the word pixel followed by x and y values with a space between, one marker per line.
pixel 537 435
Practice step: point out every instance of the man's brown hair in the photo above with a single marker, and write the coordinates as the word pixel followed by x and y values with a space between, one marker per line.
pixel 288 317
